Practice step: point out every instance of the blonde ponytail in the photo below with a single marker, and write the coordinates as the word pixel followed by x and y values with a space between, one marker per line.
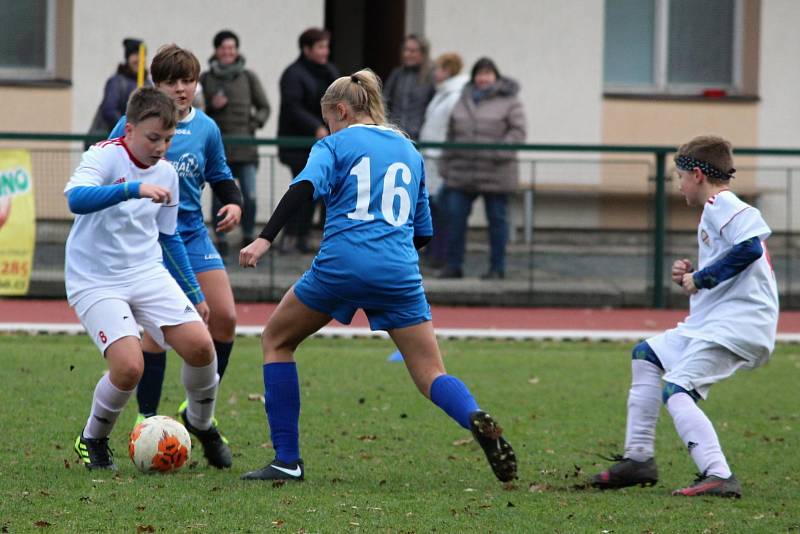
pixel 362 92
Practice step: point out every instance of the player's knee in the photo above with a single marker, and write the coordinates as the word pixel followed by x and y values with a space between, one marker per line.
pixel 274 344
pixel 127 376
pixel 222 324
pixel 200 353
pixel 671 389
pixel 644 352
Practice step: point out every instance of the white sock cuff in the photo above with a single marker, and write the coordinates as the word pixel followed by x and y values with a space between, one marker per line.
pixel 679 401
pixel 645 373
pixel 111 394
pixel 200 377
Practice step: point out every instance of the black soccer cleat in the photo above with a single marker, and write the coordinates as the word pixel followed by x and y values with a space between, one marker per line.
pixel 498 451
pixel 277 470
pixel 712 485
pixel 215 449
pixel 95 453
pixel 626 472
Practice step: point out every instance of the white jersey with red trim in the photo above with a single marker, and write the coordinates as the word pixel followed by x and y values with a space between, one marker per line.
pixel 118 245
pixel 740 313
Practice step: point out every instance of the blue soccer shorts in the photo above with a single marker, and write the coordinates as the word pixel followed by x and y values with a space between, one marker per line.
pixel 202 254
pixel 313 294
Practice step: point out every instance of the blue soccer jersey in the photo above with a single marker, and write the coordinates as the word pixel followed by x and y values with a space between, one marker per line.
pixel 197 153
pixel 372 181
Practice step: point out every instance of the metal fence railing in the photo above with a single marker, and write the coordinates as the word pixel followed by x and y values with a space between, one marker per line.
pixel 591 225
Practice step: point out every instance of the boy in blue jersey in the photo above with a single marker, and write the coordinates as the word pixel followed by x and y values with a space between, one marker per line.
pixel 372 181
pixel 198 155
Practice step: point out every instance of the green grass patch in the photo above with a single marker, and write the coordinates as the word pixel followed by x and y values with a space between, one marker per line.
pixel 381 458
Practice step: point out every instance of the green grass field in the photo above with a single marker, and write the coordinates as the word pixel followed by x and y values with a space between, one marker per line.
pixel 380 458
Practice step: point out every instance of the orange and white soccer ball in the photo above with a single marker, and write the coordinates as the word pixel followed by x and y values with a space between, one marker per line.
pixel 159 444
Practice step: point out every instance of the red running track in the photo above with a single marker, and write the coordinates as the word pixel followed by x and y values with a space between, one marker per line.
pixel 57 311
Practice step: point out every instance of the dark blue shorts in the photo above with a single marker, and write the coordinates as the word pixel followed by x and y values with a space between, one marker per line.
pixel 388 316
pixel 202 254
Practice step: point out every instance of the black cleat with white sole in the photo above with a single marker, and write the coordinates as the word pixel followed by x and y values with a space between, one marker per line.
pixel 277 470
pixel 498 451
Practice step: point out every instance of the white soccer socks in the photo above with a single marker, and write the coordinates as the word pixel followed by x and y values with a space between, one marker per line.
pixel 201 392
pixel 644 403
pixel 107 403
pixel 697 433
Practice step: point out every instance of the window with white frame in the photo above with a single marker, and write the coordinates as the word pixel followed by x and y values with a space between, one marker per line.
pixel 683 47
pixel 27 43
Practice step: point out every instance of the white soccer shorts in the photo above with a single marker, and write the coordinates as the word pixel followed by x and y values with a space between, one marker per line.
pixel 694 364
pixel 111 313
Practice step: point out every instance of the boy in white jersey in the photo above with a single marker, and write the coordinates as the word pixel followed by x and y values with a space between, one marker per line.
pixel 732 322
pixel 125 196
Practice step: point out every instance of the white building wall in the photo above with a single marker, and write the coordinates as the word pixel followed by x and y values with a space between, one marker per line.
pixel 779 110
pixel 554 49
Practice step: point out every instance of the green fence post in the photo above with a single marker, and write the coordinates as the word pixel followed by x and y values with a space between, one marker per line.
pixel 661 229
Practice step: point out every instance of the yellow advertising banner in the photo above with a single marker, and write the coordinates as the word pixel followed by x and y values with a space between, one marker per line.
pixel 17 222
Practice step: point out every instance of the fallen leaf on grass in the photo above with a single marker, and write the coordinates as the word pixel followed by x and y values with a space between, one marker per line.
pixel 41 523
pixel 538 488
pixel 278 483
pixel 534 380
pixel 279 523
pixel 368 437
pixel 460 442
pixel 66 463
pixel 145 528
pixel 255 397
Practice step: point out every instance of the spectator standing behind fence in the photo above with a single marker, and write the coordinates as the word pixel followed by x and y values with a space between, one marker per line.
pixel 449 84
pixel 410 87
pixel 117 90
pixel 488 111
pixel 235 99
pixel 302 85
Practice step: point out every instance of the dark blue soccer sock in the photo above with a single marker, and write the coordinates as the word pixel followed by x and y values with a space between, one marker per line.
pixel 452 395
pixel 148 392
pixel 223 349
pixel 282 403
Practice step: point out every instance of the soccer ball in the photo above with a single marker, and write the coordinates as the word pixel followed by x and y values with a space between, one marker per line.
pixel 159 444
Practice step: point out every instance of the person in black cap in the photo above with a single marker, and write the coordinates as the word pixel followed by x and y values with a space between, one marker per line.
pixel 117 90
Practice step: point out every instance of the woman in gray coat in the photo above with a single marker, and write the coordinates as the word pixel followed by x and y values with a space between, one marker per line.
pixel 489 111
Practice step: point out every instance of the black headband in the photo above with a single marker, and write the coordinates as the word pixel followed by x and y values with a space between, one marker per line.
pixel 687 163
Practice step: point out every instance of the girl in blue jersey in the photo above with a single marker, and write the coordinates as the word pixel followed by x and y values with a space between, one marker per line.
pixel 372 181
pixel 198 156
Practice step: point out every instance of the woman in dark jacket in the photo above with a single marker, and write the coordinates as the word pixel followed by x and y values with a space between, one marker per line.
pixel 410 87
pixel 117 90
pixel 489 111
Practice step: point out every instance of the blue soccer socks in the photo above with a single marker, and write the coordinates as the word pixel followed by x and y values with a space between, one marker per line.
pixel 452 395
pixel 282 404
